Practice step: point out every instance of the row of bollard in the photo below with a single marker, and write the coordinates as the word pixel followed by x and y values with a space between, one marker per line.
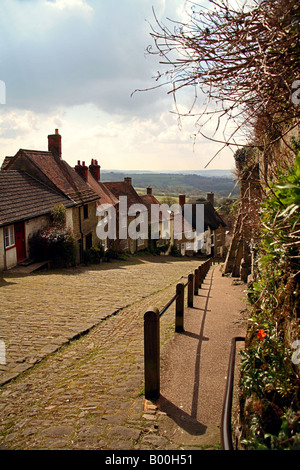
pixel 152 327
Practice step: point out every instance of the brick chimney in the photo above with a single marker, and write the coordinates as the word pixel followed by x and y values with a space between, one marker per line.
pixel 211 198
pixel 95 169
pixel 149 191
pixel 54 143
pixel 82 170
pixel 182 200
pixel 128 180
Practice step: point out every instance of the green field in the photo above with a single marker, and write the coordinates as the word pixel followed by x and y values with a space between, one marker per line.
pixel 170 184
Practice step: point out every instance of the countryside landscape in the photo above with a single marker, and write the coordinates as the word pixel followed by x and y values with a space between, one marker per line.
pixel 194 184
pixel 149 300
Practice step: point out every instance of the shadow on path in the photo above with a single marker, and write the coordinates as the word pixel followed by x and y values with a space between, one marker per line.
pixel 198 353
pixel 180 417
pixel 186 421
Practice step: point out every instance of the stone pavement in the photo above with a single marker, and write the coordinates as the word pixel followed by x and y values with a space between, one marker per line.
pixel 85 391
pixel 42 311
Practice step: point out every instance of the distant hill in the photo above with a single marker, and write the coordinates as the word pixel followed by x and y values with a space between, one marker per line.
pixel 208 173
pixel 191 184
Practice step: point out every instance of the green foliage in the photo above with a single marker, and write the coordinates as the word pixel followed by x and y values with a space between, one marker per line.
pixel 175 251
pixel 268 376
pixel 287 438
pixel 115 254
pixel 94 254
pixel 58 216
pixel 172 184
pixel 164 248
pixel 54 244
pixel 266 367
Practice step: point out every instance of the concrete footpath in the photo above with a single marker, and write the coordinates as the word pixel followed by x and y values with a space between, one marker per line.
pixel 195 368
pixel 88 394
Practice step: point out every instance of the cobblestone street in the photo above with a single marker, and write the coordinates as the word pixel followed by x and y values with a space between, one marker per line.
pixel 43 311
pixel 89 394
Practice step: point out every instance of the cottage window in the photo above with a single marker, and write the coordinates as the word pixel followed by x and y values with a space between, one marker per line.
pixel 88 241
pixel 9 236
pixel 140 241
pixel 86 211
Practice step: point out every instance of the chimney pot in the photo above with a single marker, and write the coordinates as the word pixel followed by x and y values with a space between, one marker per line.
pixel 182 199
pixel 82 170
pixel 128 180
pixel 95 169
pixel 211 198
pixel 149 191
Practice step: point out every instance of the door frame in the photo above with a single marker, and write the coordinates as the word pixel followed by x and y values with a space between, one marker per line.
pixel 20 243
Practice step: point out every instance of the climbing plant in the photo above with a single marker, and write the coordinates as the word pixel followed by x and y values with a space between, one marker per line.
pixel 270 378
pixel 55 243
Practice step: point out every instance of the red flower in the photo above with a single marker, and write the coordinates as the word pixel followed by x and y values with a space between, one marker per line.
pixel 261 334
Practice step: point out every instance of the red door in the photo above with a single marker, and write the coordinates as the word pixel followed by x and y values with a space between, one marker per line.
pixel 20 241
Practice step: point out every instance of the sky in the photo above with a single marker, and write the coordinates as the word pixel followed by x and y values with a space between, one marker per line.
pixel 73 65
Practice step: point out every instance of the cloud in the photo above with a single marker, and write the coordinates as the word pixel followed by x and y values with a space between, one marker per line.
pixel 77 52
pixel 73 65
pixel 80 5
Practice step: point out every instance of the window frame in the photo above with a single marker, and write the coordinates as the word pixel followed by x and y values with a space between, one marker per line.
pixel 9 235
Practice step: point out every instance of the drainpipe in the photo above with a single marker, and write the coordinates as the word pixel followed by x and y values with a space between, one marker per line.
pixel 5 264
pixel 81 234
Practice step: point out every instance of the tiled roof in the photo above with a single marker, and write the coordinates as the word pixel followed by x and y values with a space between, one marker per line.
pixel 121 188
pixel 5 162
pixel 149 200
pixel 59 173
pixel 211 217
pixel 22 197
pixel 106 196
pixel 181 225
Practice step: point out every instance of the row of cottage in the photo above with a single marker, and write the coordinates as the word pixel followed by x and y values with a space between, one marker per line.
pixel 33 182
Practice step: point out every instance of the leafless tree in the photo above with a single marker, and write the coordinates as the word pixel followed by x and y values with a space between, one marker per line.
pixel 244 58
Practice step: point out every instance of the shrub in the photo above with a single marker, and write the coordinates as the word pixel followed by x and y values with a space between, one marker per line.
pixel 54 244
pixel 175 251
pixel 269 380
pixel 58 216
pixel 115 254
pixel 94 254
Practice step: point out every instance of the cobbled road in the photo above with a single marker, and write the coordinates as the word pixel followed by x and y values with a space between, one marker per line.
pixel 73 377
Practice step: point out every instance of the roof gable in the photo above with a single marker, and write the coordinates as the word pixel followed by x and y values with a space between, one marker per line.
pixel 121 188
pixel 22 197
pixel 106 196
pixel 211 217
pixel 57 172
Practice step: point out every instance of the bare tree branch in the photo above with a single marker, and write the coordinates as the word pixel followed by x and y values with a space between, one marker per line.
pixel 245 60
